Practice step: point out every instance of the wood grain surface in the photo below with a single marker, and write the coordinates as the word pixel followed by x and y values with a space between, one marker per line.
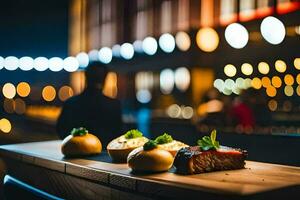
pixel 257 178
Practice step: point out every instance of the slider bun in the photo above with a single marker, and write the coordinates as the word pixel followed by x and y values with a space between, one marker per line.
pixel 119 148
pixel 154 160
pixel 82 145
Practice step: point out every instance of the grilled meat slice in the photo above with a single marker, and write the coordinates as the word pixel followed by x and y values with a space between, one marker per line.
pixel 192 160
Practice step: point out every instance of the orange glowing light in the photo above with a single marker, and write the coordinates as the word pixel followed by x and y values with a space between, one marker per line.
pixel 23 89
pixel 65 92
pixel 276 82
pixel 289 79
pixel 271 91
pixel 266 81
pixel 49 93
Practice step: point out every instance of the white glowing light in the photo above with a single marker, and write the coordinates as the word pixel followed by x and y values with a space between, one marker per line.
pixel 149 45
pixel 93 55
pixel 183 41
pixel 70 64
pixel 182 78
pixel 219 84
pixel 138 46
pixel 41 64
pixel 166 81
pixel 26 63
pixel 56 64
pixel 143 96
pixel 83 59
pixel 230 70
pixel 127 51
pixel 1 62
pixel 272 30
pixel 105 55
pixel 11 63
pixel 167 42
pixel 116 50
pixel 236 35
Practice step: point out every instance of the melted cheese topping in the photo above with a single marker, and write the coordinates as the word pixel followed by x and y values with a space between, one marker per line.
pixel 123 143
pixel 173 146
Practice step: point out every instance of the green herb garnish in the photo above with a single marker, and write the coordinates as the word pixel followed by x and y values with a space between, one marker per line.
pixel 79 131
pixel 151 144
pixel 134 133
pixel 207 143
pixel 163 139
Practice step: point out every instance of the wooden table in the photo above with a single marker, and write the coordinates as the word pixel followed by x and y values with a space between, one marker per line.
pixel 42 165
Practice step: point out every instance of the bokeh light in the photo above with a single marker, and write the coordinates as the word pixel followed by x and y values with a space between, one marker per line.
pixel 23 89
pixel 65 92
pixel 26 63
pixel 230 70
pixel 298 90
pixel 127 51
pixel 272 104
pixel 266 82
pixel 288 90
pixel 166 81
pixel 256 83
pixel 9 90
pixel 71 64
pixel 1 62
pixel 276 81
pixel 297 63
pixel 105 55
pixel 187 112
pixel 41 64
pixel 263 68
pixel 167 42
pixel 116 50
pixel 207 39
pixel 183 41
pixel 48 93
pixel 11 63
pixel 174 111
pixel 182 78
pixel 56 64
pixel 271 91
pixel 289 79
pixel 219 84
pixel 138 46
pixel 236 35
pixel 298 79
pixel 272 30
pixel 149 45
pixel 20 106
pixel 83 59
pixel 143 96
pixel 247 69
pixel 93 55
pixel 280 66
pixel 9 105
pixel 229 83
pixel 5 125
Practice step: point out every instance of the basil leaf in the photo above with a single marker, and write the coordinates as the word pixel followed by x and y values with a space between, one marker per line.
pixel 207 143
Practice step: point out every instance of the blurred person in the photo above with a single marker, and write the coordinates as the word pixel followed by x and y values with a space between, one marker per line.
pixel 91 109
pixel 241 111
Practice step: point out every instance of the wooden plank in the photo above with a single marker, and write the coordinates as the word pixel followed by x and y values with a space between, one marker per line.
pixel 256 178
pixel 87 173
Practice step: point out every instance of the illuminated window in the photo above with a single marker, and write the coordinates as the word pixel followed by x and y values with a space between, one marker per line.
pixel 228 11
pixel 166 16
pixel 263 8
pixel 247 10
pixel 183 15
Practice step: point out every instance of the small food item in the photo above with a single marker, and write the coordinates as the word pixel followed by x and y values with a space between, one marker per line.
pixel 80 143
pixel 208 156
pixel 166 142
pixel 119 148
pixel 150 158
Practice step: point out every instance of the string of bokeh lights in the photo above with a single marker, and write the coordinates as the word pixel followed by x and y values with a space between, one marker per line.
pixel 207 39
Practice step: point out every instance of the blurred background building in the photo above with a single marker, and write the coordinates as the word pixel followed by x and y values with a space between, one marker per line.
pixel 181 66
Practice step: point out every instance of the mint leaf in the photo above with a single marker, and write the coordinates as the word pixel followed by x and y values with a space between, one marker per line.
pixel 207 143
pixel 134 133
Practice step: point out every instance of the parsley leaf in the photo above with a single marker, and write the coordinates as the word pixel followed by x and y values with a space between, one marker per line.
pixel 163 139
pixel 207 143
pixel 134 133
pixel 151 144
pixel 79 131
